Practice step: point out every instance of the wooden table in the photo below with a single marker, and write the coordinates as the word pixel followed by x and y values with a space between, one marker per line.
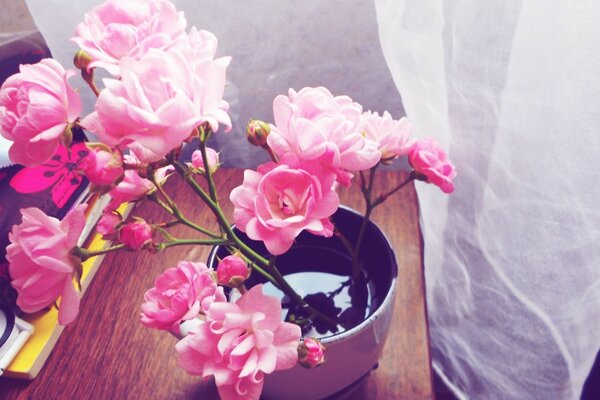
pixel 107 354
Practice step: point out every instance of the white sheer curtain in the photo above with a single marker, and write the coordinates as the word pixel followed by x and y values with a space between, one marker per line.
pixel 512 88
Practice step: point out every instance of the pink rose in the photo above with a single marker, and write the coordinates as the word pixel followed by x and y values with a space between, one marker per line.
pixel 212 158
pixel 277 202
pixel 102 167
pixel 240 342
pixel 318 127
pixel 107 225
pixel 232 271
pixel 40 263
pixel 431 162
pixel 311 353
pixel 392 137
pixel 136 235
pixel 180 294
pixel 118 29
pixel 132 187
pixel 159 102
pixel 36 106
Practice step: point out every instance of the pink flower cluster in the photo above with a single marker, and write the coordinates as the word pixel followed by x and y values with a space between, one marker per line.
pixel 319 139
pixel 162 97
pixel 238 343
pixel 118 29
pixel 317 127
pixel 180 294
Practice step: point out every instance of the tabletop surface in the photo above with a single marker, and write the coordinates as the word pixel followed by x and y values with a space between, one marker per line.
pixel 107 354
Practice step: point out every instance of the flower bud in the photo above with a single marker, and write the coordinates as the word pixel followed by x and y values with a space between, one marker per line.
pixel 311 353
pixel 107 225
pixel 102 167
pixel 257 132
pixel 82 60
pixel 232 271
pixel 136 235
pixel 432 165
pixel 212 158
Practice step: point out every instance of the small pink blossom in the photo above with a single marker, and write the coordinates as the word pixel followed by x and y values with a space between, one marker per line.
pixel 180 294
pixel 311 353
pixel 131 188
pixel 212 158
pixel 392 136
pixel 103 167
pixel 107 225
pixel 277 202
pixel 36 107
pixel 318 127
pixel 116 29
pixel 40 263
pixel 430 161
pixel 136 234
pixel 239 343
pixel 160 101
pixel 232 271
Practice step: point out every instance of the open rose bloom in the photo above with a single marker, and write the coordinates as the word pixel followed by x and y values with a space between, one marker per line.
pixel 165 93
pixel 41 264
pixel 36 107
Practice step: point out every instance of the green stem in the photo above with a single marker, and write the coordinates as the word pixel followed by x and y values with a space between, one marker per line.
pixel 367 190
pixel 84 254
pixel 184 242
pixel 345 242
pixel 204 135
pixel 383 197
pixel 172 208
pixel 218 212
pixel 88 77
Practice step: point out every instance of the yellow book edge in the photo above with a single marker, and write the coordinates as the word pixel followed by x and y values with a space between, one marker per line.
pixel 29 361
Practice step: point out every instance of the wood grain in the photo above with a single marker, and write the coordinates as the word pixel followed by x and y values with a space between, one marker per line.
pixel 108 354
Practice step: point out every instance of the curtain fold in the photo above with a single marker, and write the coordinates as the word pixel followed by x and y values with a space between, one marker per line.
pixel 512 258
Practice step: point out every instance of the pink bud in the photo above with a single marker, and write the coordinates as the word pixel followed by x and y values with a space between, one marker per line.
pixel 257 132
pixel 232 271
pixel 311 353
pixel 432 164
pixel 107 225
pixel 136 234
pixel 212 157
pixel 102 167
pixel 82 60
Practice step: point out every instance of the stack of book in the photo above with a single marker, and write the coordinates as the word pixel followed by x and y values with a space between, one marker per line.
pixel 55 187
